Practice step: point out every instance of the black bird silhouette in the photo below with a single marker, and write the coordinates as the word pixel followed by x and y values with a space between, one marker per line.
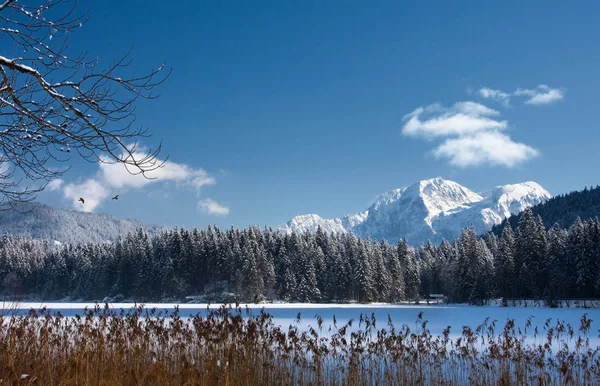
pixel 116 197
pixel 82 200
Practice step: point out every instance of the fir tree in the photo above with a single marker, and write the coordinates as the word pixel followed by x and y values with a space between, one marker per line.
pixel 412 280
pixel 363 275
pixel 556 264
pixel 504 264
pixel 529 255
pixel 396 273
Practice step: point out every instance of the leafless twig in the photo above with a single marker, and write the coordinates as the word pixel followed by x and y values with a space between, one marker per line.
pixel 55 103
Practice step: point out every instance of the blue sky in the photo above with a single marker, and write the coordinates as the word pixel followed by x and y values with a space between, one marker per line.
pixel 282 108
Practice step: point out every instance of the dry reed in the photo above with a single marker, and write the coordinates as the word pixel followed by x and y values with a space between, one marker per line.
pixel 232 346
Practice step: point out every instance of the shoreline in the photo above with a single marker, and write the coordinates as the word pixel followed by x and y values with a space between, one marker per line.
pixel 495 303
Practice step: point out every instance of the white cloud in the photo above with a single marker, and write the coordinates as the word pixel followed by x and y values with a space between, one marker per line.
pixel 461 119
pixel 496 95
pixel 114 178
pixel 541 95
pixel 474 108
pixel 493 148
pixel 210 206
pixel 471 134
pixel 93 192
pixel 118 176
pixel 55 185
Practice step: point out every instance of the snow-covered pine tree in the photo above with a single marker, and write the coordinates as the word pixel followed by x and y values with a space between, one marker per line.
pixel 485 283
pixel 396 273
pixel 425 261
pixel 589 262
pixel 529 255
pixel 447 256
pixel 557 265
pixel 363 274
pixel 468 267
pixel 412 280
pixel 504 264
pixel 582 251
pixel 382 279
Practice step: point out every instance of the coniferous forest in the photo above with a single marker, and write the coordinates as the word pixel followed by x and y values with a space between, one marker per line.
pixel 529 262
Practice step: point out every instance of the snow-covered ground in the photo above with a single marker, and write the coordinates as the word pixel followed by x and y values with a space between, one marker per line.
pixel 571 303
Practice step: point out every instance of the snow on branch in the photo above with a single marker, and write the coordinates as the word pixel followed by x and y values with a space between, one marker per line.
pixel 55 102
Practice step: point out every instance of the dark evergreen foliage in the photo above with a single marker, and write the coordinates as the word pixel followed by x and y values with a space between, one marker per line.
pixel 255 264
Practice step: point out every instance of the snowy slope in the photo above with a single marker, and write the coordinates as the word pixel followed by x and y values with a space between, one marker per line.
pixel 429 210
pixel 310 222
pixel 497 204
pixel 66 226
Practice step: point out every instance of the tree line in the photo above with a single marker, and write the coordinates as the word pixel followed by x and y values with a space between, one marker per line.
pixel 254 264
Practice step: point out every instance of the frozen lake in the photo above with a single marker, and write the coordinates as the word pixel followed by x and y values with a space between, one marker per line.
pixel 438 316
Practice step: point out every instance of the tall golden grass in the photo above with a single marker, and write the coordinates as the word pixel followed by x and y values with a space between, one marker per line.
pixel 230 346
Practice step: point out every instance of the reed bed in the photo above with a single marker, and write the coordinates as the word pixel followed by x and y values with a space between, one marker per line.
pixel 233 346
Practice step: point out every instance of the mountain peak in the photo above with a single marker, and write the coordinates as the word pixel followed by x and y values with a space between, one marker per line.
pixel 440 195
pixel 433 181
pixel 518 191
pixel 430 209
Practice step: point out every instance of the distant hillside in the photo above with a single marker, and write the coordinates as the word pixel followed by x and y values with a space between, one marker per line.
pixel 563 209
pixel 66 226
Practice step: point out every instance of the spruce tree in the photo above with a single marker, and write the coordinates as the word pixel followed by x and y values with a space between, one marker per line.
pixel 579 249
pixel 529 255
pixel 395 270
pixel 557 264
pixel 363 274
pixel 412 279
pixel 382 279
pixel 504 264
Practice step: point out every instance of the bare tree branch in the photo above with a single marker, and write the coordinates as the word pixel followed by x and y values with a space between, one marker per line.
pixel 55 103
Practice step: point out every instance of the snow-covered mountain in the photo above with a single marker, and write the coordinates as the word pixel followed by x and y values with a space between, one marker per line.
pixel 66 226
pixel 429 210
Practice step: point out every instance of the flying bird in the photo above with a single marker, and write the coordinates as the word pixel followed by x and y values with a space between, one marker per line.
pixel 116 197
pixel 82 200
